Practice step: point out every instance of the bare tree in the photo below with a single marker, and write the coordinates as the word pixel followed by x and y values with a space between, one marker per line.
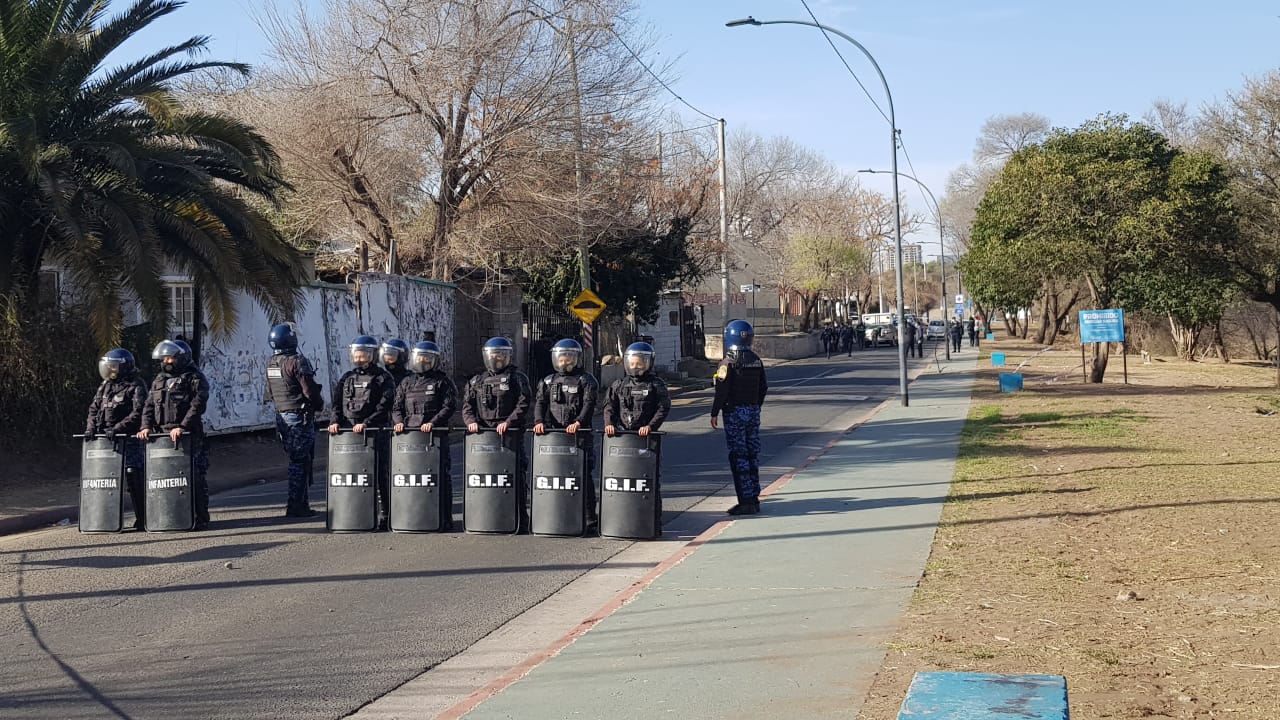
pixel 1003 135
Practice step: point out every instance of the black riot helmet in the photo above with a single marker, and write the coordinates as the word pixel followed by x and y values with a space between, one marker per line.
pixel 116 364
pixel 397 350
pixel 498 353
pixel 424 357
pixel 176 349
pixel 363 351
pixel 566 355
pixel 283 339
pixel 638 359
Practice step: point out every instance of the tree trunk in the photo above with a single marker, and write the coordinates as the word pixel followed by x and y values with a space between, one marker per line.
pixel 1098 363
pixel 1218 343
pixel 1184 339
pixel 1044 316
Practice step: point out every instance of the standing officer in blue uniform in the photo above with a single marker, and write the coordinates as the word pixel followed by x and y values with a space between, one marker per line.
pixel 740 390
pixel 292 388
pixel 175 406
pixel 117 410
pixel 362 399
pixel 426 401
pixel 567 400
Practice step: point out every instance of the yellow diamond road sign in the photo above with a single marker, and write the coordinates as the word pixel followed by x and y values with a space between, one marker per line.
pixel 587 306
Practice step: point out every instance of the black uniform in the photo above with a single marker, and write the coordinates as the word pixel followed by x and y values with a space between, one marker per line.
pixel 398 372
pixel 292 388
pixel 635 402
pixel 365 395
pixel 179 400
pixel 740 390
pixel 563 399
pixel 909 336
pixel 117 410
pixel 492 398
pixel 431 398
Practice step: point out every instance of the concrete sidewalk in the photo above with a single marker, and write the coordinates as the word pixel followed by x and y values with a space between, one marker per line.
pixel 785 614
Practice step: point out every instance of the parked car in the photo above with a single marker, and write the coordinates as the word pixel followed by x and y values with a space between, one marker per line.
pixel 878 335
pixel 937 330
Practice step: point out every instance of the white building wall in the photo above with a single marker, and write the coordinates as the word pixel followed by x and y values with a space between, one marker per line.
pixel 386 306
pixel 666 335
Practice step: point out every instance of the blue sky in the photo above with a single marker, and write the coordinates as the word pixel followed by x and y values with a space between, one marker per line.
pixel 950 64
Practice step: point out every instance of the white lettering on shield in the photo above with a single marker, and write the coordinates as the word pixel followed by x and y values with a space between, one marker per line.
pixel 613 484
pixel 100 483
pixel 349 480
pixel 488 481
pixel 400 480
pixel 166 483
pixel 542 482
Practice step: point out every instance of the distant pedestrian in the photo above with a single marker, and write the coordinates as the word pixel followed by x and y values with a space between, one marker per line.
pixel 972 329
pixel 909 336
pixel 922 331
pixel 292 388
pixel 740 390
pixel 860 334
pixel 117 410
pixel 957 331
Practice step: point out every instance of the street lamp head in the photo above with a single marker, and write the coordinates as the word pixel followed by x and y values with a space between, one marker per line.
pixel 748 20
pixel 869 170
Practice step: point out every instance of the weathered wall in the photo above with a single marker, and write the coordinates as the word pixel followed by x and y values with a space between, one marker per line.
pixel 791 346
pixel 385 306
pixel 665 334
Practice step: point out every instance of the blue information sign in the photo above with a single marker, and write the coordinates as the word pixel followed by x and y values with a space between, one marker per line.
pixel 959 309
pixel 1097 326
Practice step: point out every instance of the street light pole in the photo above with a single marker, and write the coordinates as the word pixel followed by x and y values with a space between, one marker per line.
pixel 942 248
pixel 897 201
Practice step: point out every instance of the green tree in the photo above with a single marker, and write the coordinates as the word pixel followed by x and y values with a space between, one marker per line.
pixel 1112 206
pixel 106 172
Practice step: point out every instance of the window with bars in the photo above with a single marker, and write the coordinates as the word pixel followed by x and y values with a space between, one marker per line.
pixel 182 315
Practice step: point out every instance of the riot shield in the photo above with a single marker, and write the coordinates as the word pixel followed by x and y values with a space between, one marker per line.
pixel 630 493
pixel 495 491
pixel 417 498
pixel 101 485
pixel 558 475
pixel 170 491
pixel 352 501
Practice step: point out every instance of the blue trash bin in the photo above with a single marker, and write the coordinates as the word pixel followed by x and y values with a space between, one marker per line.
pixel 997 359
pixel 1010 382
pixel 991 336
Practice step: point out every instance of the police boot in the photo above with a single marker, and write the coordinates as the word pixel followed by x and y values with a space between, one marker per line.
pixel 739 509
pixel 751 507
pixel 137 495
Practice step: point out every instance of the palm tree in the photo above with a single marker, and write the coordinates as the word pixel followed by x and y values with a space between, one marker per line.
pixel 107 172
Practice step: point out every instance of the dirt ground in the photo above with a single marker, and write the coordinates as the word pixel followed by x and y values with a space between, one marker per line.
pixel 1124 536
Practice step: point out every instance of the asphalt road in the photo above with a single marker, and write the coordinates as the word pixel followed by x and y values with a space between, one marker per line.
pixel 263 618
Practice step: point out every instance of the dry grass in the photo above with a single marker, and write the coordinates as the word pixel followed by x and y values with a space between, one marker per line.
pixel 1124 536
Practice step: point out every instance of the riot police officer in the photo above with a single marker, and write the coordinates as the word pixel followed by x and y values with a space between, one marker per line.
pixel 175 405
pixel 566 400
pixel 426 401
pixel 499 398
pixel 117 410
pixel 292 388
pixel 638 401
pixel 395 353
pixel 362 399
pixel 740 390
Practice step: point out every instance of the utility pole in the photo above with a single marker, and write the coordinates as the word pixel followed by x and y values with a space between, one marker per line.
pixel 724 230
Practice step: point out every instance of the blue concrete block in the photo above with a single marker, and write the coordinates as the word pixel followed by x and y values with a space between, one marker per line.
pixel 985 696
pixel 1010 382
pixel 997 359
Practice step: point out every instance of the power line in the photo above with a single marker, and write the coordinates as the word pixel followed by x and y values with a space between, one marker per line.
pixel 644 65
pixel 845 62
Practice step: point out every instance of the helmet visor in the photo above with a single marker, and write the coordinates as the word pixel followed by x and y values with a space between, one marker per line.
pixel 565 359
pixel 497 359
pixel 362 355
pixel 421 361
pixel 110 368
pixel 638 362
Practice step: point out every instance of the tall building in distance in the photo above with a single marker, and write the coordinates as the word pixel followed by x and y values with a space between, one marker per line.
pixel 911 255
